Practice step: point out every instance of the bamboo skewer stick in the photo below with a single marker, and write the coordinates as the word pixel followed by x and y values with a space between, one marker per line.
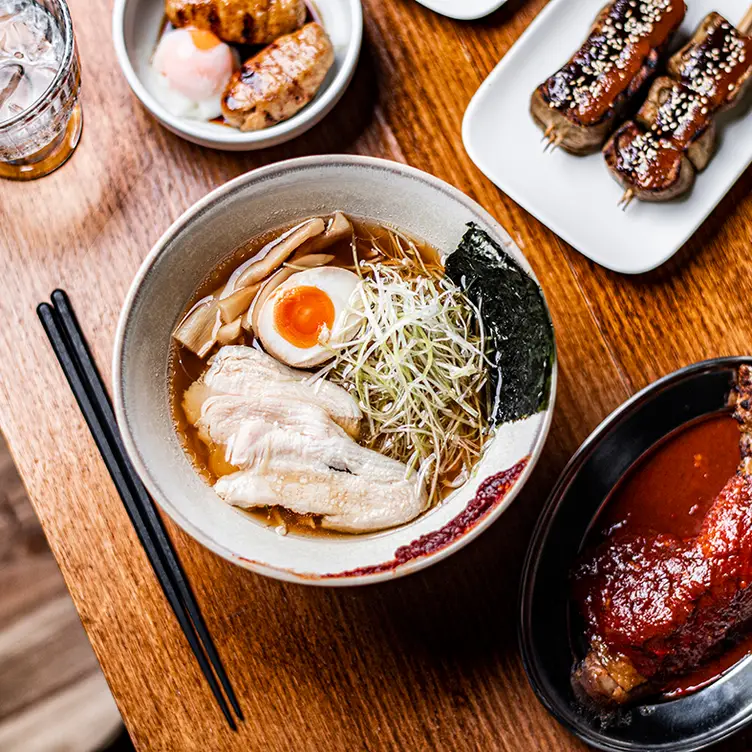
pixel 550 138
pixel 745 25
pixel 626 199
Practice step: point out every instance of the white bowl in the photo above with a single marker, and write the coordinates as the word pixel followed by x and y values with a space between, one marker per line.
pixel 463 10
pixel 135 31
pixel 272 196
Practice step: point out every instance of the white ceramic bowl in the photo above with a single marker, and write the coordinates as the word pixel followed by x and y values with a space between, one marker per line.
pixel 135 31
pixel 272 196
pixel 463 10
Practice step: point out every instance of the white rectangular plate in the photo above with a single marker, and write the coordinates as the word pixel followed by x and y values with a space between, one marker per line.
pixel 575 196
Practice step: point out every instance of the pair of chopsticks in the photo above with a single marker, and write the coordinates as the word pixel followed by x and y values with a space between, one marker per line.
pixel 72 352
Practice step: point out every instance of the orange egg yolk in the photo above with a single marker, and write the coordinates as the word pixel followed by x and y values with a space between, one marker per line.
pixel 204 40
pixel 301 313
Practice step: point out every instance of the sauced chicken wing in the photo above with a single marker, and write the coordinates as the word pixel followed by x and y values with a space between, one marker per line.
pixel 280 80
pixel 239 21
pixel 657 606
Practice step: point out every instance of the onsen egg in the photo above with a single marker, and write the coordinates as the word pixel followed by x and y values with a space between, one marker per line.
pixel 308 313
pixel 189 72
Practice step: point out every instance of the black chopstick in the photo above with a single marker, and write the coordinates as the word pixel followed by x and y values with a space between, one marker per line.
pixel 73 354
pixel 76 338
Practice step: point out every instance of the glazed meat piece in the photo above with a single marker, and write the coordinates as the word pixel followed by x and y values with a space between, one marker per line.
pixel 676 114
pixel 650 168
pixel 716 63
pixel 581 103
pixel 658 606
pixel 656 158
pixel 239 21
pixel 280 80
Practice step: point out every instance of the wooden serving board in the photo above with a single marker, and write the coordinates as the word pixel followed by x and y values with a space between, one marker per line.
pixel 429 662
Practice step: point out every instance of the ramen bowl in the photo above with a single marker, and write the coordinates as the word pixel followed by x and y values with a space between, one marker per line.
pixel 281 194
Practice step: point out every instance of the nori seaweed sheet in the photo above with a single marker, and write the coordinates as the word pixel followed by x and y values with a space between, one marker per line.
pixel 518 328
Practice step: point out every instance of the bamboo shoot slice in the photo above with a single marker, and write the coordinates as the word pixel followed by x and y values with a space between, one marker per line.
pixel 230 333
pixel 237 303
pixel 198 330
pixel 278 251
pixel 339 228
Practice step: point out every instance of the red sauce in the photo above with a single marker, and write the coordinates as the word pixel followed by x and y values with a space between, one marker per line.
pixel 490 493
pixel 671 488
pixel 669 491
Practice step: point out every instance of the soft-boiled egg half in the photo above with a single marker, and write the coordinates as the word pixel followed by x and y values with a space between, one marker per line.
pixel 189 72
pixel 307 314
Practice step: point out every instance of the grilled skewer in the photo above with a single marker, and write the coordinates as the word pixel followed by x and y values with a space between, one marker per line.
pixel 239 21
pixel 578 107
pixel 657 156
pixel 278 81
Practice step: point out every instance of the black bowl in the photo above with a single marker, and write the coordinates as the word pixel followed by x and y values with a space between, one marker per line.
pixel 691 722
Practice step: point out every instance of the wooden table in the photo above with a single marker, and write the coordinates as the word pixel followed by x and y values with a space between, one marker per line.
pixel 426 663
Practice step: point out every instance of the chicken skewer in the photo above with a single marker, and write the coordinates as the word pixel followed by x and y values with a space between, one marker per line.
pixel 239 21
pixel 579 106
pixel 658 606
pixel 656 157
pixel 280 80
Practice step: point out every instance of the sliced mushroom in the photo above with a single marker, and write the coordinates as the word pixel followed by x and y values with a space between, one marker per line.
pixel 309 261
pixel 237 303
pixel 278 251
pixel 250 319
pixel 339 228
pixel 230 333
pixel 198 330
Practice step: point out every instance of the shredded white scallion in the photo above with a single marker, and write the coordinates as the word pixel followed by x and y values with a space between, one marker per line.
pixel 417 365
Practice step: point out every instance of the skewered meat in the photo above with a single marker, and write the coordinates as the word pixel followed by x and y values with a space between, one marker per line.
pixel 653 169
pixel 580 104
pixel 239 21
pixel 657 157
pixel 658 606
pixel 716 63
pixel 678 115
pixel 280 80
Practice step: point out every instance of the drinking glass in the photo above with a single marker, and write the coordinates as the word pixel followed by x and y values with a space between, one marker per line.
pixel 41 137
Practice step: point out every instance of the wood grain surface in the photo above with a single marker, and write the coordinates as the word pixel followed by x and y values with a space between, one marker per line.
pixel 52 694
pixel 425 663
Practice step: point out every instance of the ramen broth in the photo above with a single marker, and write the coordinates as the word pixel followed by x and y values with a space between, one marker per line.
pixel 186 367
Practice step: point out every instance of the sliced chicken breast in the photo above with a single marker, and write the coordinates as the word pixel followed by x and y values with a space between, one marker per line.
pixel 245 371
pixel 349 503
pixel 295 442
pixel 289 438
pixel 224 416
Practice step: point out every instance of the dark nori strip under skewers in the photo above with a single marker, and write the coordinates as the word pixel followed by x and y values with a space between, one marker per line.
pixel 518 328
